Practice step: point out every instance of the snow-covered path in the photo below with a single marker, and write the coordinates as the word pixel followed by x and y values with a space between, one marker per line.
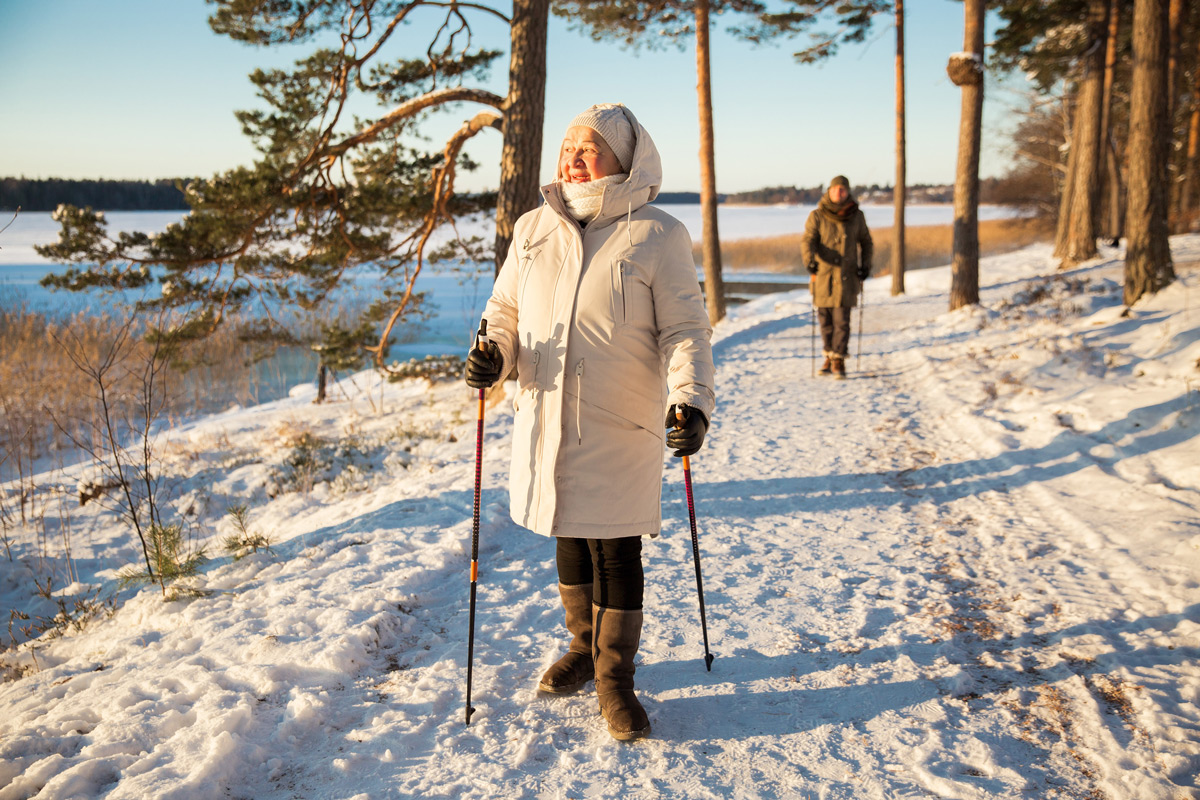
pixel 969 571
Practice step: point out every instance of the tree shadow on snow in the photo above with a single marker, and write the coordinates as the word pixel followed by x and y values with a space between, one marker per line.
pixel 752 694
pixel 1068 453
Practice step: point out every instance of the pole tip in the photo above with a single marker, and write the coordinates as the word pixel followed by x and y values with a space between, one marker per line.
pixel 708 659
pixel 470 711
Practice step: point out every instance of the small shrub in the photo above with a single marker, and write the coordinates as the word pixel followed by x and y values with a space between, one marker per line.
pixel 244 541
pixel 170 563
pixel 430 367
pixel 306 464
pixel 343 464
pixel 72 616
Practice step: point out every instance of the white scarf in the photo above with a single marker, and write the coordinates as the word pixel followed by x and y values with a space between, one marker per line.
pixel 583 199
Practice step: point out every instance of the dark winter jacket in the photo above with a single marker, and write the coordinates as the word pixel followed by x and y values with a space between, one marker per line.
pixel 833 237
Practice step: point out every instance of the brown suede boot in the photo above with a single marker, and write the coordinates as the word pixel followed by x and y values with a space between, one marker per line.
pixel 573 670
pixel 826 367
pixel 617 633
pixel 839 368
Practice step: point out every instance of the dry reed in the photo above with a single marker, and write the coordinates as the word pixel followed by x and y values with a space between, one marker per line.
pixel 46 400
pixel 925 246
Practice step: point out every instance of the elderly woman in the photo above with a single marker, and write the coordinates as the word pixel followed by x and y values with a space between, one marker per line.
pixel 598 308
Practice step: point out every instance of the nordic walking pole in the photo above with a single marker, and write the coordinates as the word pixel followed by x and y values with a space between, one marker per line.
pixel 812 341
pixel 687 482
pixel 862 306
pixel 481 342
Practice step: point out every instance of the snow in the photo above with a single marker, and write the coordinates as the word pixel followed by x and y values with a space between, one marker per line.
pixel 969 571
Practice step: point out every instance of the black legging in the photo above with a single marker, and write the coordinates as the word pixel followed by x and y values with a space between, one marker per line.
pixel 612 566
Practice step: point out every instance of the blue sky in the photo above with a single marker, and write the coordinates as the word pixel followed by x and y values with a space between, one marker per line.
pixel 144 89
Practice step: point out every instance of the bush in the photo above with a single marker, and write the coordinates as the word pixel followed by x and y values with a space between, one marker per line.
pixel 169 561
pixel 244 541
pixel 430 367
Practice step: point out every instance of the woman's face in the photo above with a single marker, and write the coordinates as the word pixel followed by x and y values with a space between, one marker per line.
pixel 585 156
pixel 838 193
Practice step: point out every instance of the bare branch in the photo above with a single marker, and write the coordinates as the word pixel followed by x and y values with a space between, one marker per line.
pixel 11 221
pixel 443 190
pixel 477 7
pixel 1045 162
pixel 411 108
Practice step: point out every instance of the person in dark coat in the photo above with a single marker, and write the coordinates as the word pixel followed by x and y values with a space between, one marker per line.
pixel 837 250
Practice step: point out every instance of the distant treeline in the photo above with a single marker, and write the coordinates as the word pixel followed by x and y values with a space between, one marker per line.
pixel 162 195
pixel 46 194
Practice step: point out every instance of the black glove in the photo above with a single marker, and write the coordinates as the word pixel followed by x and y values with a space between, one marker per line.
pixel 688 438
pixel 483 366
pixel 864 271
pixel 812 267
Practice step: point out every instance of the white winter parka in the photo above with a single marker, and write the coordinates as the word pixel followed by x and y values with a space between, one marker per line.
pixel 607 328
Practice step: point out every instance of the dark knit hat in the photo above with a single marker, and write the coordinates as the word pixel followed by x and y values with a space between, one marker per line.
pixel 839 180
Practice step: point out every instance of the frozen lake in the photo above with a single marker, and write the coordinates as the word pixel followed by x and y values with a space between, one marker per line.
pixel 455 302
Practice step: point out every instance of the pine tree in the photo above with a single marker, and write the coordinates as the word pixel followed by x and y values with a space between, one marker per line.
pixel 1087 141
pixel 1148 265
pixel 966 71
pixel 901 190
pixel 331 196
pixel 1056 41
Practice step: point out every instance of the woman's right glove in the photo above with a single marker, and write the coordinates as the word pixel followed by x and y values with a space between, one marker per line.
pixel 812 267
pixel 483 366
pixel 686 436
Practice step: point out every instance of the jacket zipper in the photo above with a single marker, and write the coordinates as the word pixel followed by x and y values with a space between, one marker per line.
pixel 579 401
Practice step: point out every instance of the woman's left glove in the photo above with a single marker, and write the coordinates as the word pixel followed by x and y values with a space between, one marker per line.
pixel 864 272
pixel 483 366
pixel 685 437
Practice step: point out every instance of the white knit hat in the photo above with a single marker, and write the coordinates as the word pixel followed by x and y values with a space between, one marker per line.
pixel 608 120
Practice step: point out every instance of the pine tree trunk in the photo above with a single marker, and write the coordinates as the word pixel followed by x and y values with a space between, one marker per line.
pixel 901 190
pixel 964 284
pixel 1087 142
pixel 1175 31
pixel 1116 194
pixel 524 117
pixel 1068 185
pixel 714 285
pixel 1148 255
pixel 1191 177
pixel 1110 181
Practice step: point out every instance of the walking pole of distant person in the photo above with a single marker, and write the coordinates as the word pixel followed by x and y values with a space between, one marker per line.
pixel 481 341
pixel 687 482
pixel 812 342
pixel 862 309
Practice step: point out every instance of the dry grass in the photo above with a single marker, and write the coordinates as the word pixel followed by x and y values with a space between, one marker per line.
pixel 925 245
pixel 42 392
